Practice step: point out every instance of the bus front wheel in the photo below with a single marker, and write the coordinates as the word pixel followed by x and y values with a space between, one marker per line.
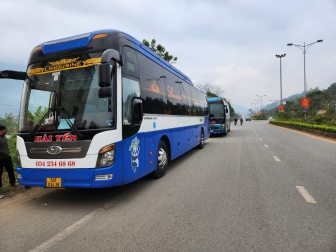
pixel 162 161
pixel 201 144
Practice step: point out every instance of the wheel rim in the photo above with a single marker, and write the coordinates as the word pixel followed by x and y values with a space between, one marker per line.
pixel 162 158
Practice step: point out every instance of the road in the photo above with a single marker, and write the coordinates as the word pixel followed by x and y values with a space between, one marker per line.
pixel 260 188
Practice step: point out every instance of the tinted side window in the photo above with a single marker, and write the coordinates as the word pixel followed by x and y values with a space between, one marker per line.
pixel 130 66
pixel 185 94
pixel 174 101
pixel 204 104
pixel 153 88
pixel 195 101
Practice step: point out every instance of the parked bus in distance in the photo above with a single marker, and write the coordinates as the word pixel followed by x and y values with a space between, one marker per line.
pixel 100 110
pixel 219 112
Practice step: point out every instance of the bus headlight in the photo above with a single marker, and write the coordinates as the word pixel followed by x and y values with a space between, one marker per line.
pixel 106 156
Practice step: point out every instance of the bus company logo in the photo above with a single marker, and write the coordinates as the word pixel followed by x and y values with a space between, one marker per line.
pixel 64 64
pixel 67 137
pixel 135 149
pixel 63 61
pixel 54 150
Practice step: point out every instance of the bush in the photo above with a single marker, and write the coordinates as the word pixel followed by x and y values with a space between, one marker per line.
pixel 12 148
pixel 306 125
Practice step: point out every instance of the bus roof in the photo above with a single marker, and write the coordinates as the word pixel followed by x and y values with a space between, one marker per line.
pixel 216 99
pixel 83 40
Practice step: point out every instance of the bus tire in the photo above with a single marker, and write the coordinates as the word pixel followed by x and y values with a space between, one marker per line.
pixel 201 144
pixel 162 161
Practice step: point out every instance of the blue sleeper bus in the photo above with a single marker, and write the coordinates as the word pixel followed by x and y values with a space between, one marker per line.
pixel 101 109
pixel 219 112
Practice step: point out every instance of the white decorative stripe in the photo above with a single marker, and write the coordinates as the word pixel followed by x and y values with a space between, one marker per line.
pixel 152 122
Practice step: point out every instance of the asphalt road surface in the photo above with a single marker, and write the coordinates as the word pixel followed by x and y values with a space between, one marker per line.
pixel 260 188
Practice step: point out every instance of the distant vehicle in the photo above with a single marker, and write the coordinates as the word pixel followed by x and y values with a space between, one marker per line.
pixel 219 115
pixel 248 118
pixel 270 118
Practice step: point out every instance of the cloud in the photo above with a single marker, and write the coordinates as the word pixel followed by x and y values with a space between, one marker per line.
pixel 230 43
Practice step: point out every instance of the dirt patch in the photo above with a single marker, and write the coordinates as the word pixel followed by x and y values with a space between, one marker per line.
pixel 20 196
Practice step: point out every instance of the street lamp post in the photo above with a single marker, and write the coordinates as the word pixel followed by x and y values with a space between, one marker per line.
pixel 304 48
pixel 261 96
pixel 256 106
pixel 280 56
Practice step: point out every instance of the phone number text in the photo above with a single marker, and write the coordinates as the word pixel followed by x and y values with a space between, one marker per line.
pixel 55 163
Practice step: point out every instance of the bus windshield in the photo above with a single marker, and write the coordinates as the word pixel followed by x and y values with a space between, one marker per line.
pixel 63 100
pixel 217 110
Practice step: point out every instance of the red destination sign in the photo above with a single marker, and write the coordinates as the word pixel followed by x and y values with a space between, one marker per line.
pixel 281 108
pixel 305 103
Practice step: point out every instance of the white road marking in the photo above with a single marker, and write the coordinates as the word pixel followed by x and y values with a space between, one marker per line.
pixel 45 246
pixel 260 138
pixel 306 194
pixel 66 232
pixel 276 158
pixel 266 145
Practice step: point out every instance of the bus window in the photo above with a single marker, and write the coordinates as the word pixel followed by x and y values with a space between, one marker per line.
pixel 153 88
pixel 173 94
pixel 185 93
pixel 131 89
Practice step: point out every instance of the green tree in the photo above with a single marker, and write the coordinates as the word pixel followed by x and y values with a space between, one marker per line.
pixel 214 91
pixel 211 90
pixel 10 121
pixel 37 116
pixel 160 50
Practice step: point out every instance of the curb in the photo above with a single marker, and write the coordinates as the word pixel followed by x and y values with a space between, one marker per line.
pixel 331 135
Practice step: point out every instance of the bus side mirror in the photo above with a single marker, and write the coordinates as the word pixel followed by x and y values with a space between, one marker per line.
pixel 136 111
pixel 206 111
pixel 104 77
pixel 226 109
pixel 15 75
pixel 105 92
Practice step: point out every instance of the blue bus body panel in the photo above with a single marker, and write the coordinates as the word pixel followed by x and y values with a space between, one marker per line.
pixel 137 154
pixel 75 177
pixel 73 42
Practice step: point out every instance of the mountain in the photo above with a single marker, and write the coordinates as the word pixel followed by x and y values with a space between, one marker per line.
pixel 275 104
pixel 240 110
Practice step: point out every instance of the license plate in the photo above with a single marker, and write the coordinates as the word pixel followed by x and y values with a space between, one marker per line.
pixel 54 182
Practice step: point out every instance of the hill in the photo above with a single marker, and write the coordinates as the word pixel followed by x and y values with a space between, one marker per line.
pixel 240 110
pixel 275 104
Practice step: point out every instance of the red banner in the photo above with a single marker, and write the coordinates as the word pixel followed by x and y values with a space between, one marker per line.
pixel 305 103
pixel 281 108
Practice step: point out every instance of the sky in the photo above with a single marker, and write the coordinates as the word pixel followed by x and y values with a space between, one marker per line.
pixel 227 43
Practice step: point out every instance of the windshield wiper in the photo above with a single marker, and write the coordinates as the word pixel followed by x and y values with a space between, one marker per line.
pixel 68 121
pixel 32 133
